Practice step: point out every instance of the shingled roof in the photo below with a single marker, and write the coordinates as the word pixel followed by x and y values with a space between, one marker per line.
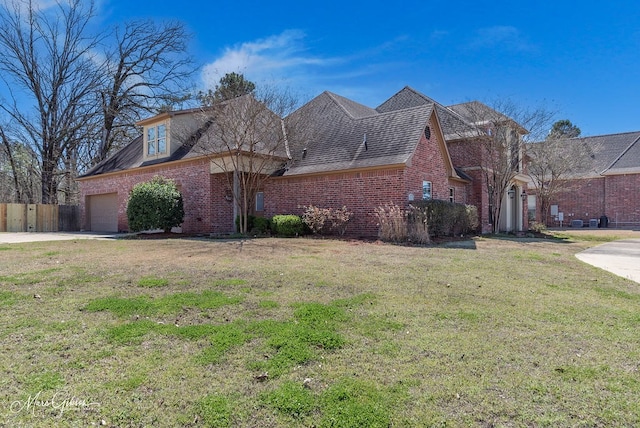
pixel 454 125
pixel 613 153
pixel 346 135
pixel 200 141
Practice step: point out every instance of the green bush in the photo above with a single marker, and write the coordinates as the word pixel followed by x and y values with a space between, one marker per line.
pixel 445 218
pixel 255 225
pixel 250 220
pixel 155 204
pixel 287 225
pixel 261 225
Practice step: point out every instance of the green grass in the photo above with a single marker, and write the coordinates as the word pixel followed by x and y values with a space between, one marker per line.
pixel 145 305
pixel 151 282
pixel 304 332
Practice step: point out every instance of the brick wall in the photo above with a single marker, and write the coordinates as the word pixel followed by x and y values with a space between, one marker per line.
pixel 209 210
pixel 361 192
pixel 192 178
pixel 615 196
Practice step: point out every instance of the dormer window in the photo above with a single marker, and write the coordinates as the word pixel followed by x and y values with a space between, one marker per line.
pixel 156 140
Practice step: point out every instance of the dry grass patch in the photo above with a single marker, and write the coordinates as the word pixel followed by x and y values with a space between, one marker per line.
pixel 303 332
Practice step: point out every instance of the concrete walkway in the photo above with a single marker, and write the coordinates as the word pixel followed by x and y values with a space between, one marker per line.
pixel 619 257
pixel 19 237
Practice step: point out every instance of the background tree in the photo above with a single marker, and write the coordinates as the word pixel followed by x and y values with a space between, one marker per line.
pixel 245 138
pixel 74 97
pixel 18 171
pixel 155 204
pixel 564 129
pixel 148 69
pixel 47 58
pixel 554 161
pixel 231 85
pixel 498 133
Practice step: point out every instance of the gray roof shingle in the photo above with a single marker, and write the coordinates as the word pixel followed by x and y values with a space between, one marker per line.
pixel 454 126
pixel 338 131
pixel 202 141
pixel 613 153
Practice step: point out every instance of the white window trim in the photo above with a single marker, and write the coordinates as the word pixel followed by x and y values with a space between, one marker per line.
pixel 427 195
pixel 257 199
pixel 156 127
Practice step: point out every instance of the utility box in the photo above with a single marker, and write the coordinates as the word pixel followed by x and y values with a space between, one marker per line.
pixel 604 221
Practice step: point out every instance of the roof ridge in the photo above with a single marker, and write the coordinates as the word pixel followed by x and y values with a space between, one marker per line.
pixel 605 135
pixel 421 106
pixel 621 154
pixel 336 99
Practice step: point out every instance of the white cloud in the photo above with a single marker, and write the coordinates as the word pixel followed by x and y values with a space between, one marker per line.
pixel 277 57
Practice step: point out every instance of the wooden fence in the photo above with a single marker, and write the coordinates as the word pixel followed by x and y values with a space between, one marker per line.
pixel 39 218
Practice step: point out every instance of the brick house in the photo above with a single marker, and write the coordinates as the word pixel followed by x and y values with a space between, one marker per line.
pixel 608 186
pixel 349 155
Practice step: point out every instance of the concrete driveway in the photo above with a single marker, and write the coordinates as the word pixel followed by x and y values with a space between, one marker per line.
pixel 619 257
pixel 19 237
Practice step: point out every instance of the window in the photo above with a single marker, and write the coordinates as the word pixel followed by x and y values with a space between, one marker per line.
pixel 452 194
pixel 260 201
pixel 156 140
pixel 426 190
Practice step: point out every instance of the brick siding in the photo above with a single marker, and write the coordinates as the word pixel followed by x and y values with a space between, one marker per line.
pixel 615 196
pixel 191 177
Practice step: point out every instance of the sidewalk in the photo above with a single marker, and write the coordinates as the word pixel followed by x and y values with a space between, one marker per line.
pixel 20 237
pixel 619 257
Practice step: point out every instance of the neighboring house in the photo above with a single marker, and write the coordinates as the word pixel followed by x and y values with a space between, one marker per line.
pixel 608 186
pixel 409 148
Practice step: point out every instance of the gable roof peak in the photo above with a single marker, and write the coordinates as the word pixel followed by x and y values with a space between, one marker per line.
pixel 352 108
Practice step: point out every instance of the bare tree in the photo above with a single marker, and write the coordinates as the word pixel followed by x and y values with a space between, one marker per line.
pixel 498 133
pixel 18 171
pixel 246 140
pixel 553 163
pixel 47 56
pixel 146 71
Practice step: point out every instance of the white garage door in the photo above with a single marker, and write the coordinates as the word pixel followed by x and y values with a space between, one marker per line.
pixel 103 212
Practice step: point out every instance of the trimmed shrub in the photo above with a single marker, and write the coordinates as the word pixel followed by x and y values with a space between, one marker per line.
pixel 261 226
pixel 445 218
pixel 250 220
pixel 287 225
pixel 155 204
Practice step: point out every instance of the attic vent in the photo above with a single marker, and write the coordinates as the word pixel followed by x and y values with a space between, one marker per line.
pixel 427 132
pixel 304 153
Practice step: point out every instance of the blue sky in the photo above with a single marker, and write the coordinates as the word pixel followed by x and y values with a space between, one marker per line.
pixel 579 58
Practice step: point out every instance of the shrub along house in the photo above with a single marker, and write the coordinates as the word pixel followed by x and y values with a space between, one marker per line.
pixel 342 154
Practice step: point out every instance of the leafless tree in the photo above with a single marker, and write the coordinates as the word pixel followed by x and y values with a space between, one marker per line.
pixel 46 57
pixel 147 70
pixel 498 133
pixel 18 171
pixel 246 141
pixel 553 163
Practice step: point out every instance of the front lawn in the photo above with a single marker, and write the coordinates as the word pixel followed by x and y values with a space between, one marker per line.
pixel 310 332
